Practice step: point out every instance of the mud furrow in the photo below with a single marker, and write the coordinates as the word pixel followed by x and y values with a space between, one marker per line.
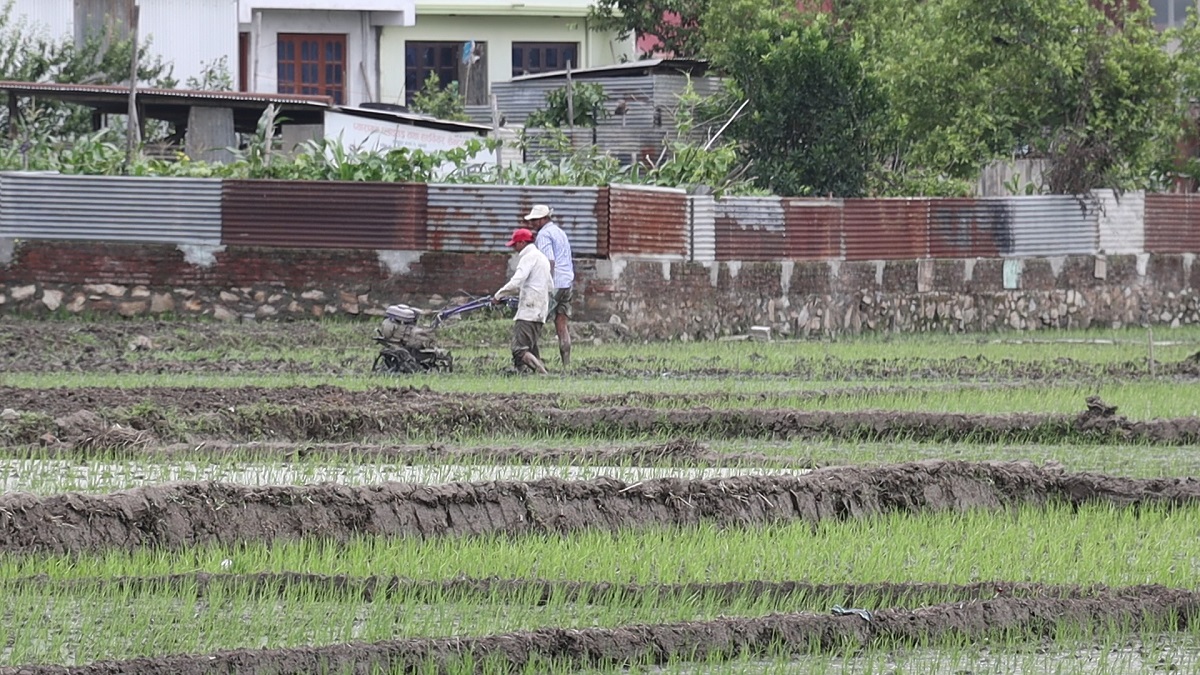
pixel 316 423
pixel 63 401
pixel 188 514
pixel 541 591
pixel 1134 609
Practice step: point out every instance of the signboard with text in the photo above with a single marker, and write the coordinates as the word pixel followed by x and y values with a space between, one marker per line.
pixel 373 135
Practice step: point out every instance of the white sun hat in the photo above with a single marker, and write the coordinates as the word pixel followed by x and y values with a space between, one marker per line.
pixel 538 211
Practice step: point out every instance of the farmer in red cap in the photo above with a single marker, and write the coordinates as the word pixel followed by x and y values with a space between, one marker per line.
pixel 531 283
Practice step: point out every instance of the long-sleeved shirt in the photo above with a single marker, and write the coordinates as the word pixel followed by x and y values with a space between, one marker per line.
pixel 553 243
pixel 531 283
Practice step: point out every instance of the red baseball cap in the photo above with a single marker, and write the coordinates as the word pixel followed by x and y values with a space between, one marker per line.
pixel 519 235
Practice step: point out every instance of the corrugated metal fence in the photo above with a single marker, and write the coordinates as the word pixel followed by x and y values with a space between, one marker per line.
pixel 775 228
pixel 156 210
pixel 1172 223
pixel 648 221
pixel 324 214
pixel 620 220
pixel 480 218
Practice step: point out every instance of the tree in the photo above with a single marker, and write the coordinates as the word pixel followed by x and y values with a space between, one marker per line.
pixel 676 23
pixel 442 103
pixel 968 81
pixel 811 108
pixel 587 101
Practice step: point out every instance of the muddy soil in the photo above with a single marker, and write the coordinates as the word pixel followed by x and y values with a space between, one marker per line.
pixel 179 515
pixel 61 401
pixel 1138 608
pixel 162 347
pixel 543 591
pixel 116 420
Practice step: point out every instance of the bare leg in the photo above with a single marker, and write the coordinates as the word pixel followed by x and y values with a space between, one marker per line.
pixel 533 362
pixel 564 338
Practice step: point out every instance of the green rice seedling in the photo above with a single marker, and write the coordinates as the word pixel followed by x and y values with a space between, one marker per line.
pixel 1096 544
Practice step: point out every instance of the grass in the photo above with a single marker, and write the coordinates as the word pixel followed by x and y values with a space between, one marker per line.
pixel 118 625
pixel 74 630
pixel 54 476
pixel 346 346
pixel 48 624
pixel 1053 545
pixel 1136 400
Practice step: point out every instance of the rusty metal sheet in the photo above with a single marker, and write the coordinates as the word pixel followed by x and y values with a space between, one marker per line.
pixel 968 228
pixel 1122 221
pixel 885 229
pixel 751 228
pixel 775 228
pixel 480 218
pixel 814 228
pixel 648 221
pixel 324 214
pixel 1050 225
pixel 110 208
pixel 1172 223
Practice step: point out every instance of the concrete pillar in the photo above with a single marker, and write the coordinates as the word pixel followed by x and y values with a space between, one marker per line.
pixel 298 134
pixel 210 134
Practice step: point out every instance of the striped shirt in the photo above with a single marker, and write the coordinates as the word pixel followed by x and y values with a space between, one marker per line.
pixel 552 242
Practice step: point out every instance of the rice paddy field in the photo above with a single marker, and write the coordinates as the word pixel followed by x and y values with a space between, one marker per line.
pixel 187 497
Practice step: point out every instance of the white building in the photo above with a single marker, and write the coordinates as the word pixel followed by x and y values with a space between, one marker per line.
pixel 481 42
pixel 316 47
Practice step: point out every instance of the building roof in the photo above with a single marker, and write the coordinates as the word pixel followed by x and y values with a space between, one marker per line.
pixel 629 69
pixel 414 119
pixel 172 105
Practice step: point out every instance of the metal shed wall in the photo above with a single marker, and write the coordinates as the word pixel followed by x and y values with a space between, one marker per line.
pixel 518 100
pixel 324 214
pixel 1172 223
pixel 968 228
pixel 886 229
pixel 481 218
pixel 110 208
pixel 1050 225
pixel 1121 220
pixel 648 221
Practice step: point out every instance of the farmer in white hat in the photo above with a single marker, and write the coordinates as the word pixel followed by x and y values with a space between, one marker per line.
pixel 552 242
pixel 531 284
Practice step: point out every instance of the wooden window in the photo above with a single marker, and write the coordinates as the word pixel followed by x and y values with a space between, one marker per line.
pixel 1170 13
pixel 543 57
pixel 423 58
pixel 312 65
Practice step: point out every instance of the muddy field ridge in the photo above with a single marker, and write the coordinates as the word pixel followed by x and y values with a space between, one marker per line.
pixel 180 515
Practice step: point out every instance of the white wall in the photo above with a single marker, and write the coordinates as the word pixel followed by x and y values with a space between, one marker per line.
pixel 52 18
pixel 184 33
pixel 360 47
pixel 499 32
pixel 192 33
pixel 246 8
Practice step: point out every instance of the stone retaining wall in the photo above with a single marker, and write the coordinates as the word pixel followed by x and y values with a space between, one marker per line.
pixel 652 299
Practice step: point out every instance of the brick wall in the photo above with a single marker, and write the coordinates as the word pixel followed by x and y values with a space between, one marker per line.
pixel 654 299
